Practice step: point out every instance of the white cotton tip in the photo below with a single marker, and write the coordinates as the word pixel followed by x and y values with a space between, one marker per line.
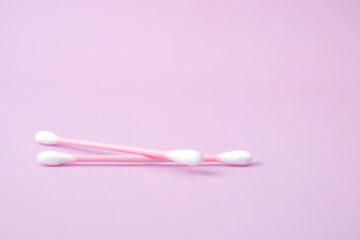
pixel 54 158
pixel 45 137
pixel 187 157
pixel 237 157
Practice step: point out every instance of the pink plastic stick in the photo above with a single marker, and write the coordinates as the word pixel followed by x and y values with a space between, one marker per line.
pixel 130 158
pixel 112 147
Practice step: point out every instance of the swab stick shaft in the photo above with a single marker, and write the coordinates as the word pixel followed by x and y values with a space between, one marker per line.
pixel 129 158
pixel 111 147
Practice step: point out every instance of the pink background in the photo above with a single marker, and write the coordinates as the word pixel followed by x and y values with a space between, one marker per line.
pixel 277 78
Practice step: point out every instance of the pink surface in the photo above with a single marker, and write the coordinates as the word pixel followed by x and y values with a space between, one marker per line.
pixel 277 78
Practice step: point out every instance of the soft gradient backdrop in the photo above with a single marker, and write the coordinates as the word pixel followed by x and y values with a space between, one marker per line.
pixel 277 78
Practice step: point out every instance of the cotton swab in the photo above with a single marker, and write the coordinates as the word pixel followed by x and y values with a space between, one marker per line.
pixel 188 157
pixel 237 157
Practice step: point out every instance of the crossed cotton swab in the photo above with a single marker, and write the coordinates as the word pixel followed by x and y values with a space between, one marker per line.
pixel 188 157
